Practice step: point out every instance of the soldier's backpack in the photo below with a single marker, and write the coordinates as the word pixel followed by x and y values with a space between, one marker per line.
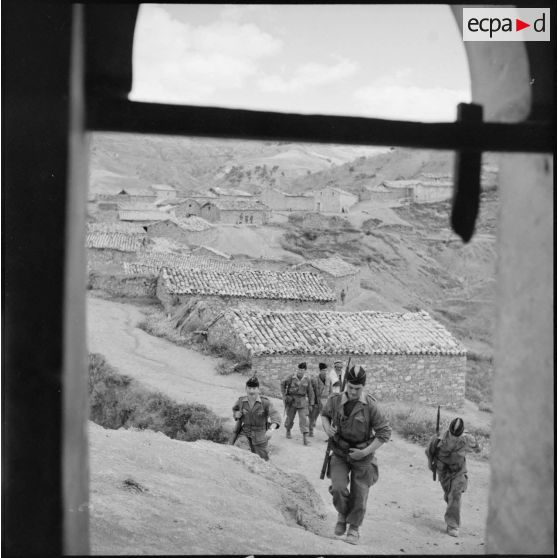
pixel 432 453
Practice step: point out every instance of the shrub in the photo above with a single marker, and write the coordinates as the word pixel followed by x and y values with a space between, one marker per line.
pixel 119 401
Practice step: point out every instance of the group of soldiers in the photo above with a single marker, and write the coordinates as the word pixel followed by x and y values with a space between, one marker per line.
pixel 356 429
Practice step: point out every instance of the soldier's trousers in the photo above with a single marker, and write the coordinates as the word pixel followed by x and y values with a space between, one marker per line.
pixel 453 484
pixel 315 413
pixel 302 418
pixel 350 501
pixel 260 448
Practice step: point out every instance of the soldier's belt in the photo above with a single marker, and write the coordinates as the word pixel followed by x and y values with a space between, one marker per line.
pixel 345 445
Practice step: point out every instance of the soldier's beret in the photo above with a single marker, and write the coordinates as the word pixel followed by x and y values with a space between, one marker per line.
pixel 302 366
pixel 253 382
pixel 322 366
pixel 457 426
pixel 356 375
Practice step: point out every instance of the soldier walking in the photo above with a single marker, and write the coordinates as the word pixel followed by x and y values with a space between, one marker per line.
pixel 298 396
pixel 357 428
pixel 448 454
pixel 258 419
pixel 322 390
pixel 338 373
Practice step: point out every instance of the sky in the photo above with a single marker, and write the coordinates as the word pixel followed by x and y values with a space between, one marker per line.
pixel 403 62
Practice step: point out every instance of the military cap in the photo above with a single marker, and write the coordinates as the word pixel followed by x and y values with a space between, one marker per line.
pixel 302 366
pixel 322 366
pixel 337 362
pixel 356 375
pixel 253 382
pixel 457 426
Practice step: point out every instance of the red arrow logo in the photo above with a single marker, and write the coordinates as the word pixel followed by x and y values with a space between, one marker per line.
pixel 519 25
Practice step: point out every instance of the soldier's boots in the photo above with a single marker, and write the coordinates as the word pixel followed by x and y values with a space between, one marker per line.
pixel 289 434
pixel 311 433
pixel 453 531
pixel 352 535
pixel 305 440
pixel 340 526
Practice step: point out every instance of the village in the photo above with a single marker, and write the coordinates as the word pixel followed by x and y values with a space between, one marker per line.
pixel 194 290
pixel 159 243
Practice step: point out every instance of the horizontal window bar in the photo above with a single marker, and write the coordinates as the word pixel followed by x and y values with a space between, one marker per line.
pixel 151 118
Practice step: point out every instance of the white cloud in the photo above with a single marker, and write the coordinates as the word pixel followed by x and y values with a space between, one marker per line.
pixel 308 75
pixel 400 102
pixel 177 62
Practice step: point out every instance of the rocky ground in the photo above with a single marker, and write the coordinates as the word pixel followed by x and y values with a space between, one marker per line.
pixel 154 495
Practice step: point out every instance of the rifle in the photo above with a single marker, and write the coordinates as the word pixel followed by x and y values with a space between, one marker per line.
pixel 238 428
pixel 435 450
pixel 344 382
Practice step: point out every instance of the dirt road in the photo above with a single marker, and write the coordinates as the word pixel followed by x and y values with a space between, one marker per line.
pixel 405 508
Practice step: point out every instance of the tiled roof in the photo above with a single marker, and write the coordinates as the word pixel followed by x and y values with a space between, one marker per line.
pixel 334 266
pixel 142 215
pixel 231 192
pixel 346 333
pixel 116 226
pixel 193 223
pixel 400 183
pixel 163 187
pixel 212 251
pixel 248 283
pixel 136 205
pixel 114 241
pixel 150 263
pixel 339 191
pixel 239 205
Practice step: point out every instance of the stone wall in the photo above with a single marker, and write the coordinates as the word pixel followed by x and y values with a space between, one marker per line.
pixel 101 257
pixel 124 285
pixel 349 284
pixel 424 379
pixel 424 193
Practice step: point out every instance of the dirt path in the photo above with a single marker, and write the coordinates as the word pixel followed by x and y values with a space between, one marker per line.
pixel 405 508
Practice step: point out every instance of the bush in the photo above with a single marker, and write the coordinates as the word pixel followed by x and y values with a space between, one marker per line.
pixel 118 401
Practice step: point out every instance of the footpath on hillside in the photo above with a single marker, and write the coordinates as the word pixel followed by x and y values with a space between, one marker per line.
pixel 405 508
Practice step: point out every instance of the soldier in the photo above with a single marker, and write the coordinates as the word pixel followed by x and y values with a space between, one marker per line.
pixel 357 427
pixel 337 371
pixel 451 467
pixel 259 419
pixel 298 396
pixel 322 390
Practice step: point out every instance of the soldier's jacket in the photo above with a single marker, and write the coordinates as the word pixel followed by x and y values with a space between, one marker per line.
pixel 451 452
pixel 300 390
pixel 322 389
pixel 365 422
pixel 255 420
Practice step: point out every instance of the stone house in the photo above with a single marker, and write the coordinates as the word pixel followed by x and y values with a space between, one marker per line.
pixel 408 356
pixel 380 193
pixel 188 207
pixel 269 289
pixel 402 190
pixel 190 230
pixel 430 192
pixel 342 277
pixel 333 200
pixel 112 249
pixel 164 191
pixel 235 212
pixel 281 201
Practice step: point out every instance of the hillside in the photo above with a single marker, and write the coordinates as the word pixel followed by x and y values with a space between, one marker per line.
pixel 199 163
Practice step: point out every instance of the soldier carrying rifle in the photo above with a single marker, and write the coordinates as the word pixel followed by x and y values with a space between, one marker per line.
pixel 357 428
pixel 256 420
pixel 446 457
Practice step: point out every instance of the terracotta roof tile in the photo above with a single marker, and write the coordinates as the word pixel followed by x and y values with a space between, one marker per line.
pixel 142 215
pixel 116 226
pixel 239 205
pixel 114 241
pixel 150 263
pixel 248 283
pixel 330 333
pixel 334 266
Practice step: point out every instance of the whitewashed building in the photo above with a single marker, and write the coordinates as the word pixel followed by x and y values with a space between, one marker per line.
pixel 333 200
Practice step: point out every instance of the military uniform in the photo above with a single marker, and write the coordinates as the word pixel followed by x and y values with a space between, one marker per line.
pixel 356 429
pixel 298 395
pixel 255 421
pixel 322 390
pixel 451 468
